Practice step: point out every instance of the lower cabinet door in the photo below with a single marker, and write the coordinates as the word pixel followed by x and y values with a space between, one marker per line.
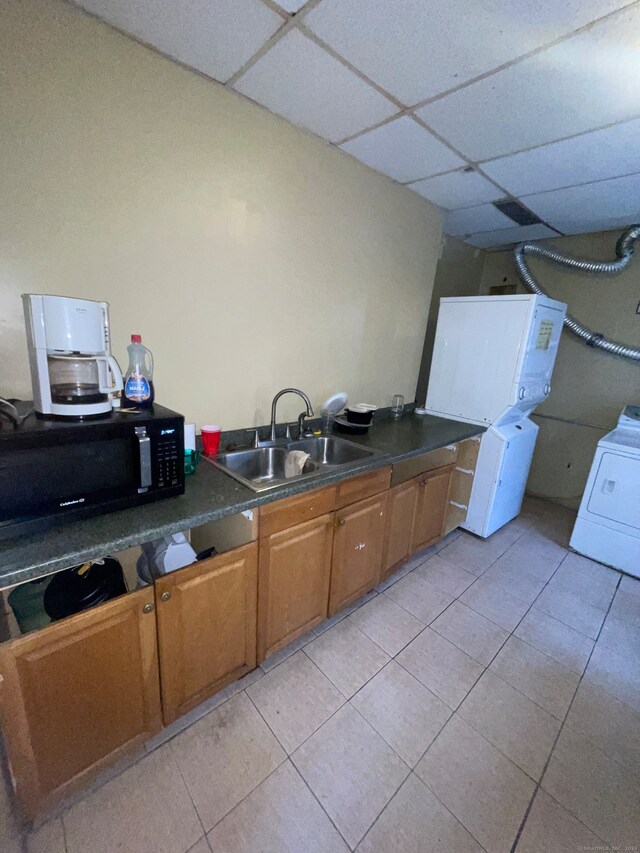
pixel 397 543
pixel 295 567
pixel 76 696
pixel 431 505
pixel 357 550
pixel 206 617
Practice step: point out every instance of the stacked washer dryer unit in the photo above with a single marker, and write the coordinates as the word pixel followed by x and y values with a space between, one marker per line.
pixel 607 528
pixel 492 362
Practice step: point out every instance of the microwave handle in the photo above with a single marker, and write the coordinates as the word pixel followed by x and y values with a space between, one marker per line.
pixel 144 449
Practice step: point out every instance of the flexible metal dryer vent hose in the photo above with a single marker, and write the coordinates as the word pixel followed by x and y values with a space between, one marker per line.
pixel 624 253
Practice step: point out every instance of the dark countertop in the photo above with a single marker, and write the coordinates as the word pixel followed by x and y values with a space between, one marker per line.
pixel 210 494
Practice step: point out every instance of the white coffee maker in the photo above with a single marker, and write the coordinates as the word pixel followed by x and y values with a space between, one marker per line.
pixel 73 372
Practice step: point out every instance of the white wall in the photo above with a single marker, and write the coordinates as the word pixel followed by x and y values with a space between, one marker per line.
pixel 590 388
pixel 248 254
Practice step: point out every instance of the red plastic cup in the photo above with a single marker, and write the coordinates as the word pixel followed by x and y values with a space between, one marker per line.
pixel 210 439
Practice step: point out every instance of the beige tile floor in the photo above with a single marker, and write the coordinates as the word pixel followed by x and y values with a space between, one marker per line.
pixel 487 697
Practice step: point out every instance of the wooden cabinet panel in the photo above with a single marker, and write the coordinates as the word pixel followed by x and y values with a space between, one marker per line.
pixel 357 551
pixel 77 695
pixel 295 510
pixel 366 485
pixel 294 571
pixel 400 512
pixel 431 504
pixel 206 628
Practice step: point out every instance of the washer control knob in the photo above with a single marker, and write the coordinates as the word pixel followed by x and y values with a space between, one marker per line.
pixel 521 393
pixel 547 389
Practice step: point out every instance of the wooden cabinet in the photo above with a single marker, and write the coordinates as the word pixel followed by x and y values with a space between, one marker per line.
pixel 431 504
pixel 206 616
pixel 295 568
pixel 77 695
pixel 400 512
pixel 357 550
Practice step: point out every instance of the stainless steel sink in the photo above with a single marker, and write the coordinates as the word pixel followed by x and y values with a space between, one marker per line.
pixel 262 468
pixel 330 452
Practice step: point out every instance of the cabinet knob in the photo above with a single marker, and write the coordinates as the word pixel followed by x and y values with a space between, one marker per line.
pixel 166 595
pixel 422 483
pixel 341 523
pixel 148 608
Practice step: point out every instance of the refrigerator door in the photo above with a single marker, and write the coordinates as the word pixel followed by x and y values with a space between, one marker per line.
pixel 501 475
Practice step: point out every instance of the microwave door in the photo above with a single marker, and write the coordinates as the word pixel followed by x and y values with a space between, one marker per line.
pixel 55 479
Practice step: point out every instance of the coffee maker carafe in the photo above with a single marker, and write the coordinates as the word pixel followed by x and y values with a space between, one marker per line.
pixel 73 372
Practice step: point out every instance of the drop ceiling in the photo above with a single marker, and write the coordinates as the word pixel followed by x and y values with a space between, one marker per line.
pixel 465 102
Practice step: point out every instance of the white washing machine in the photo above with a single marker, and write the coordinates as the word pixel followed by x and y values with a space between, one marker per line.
pixel 607 528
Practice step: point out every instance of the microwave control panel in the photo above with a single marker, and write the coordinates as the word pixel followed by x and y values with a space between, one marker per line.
pixel 169 458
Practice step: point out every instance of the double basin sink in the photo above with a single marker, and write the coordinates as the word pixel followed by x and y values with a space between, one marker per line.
pixel 262 468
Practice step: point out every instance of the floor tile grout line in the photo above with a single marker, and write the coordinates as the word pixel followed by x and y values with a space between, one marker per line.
pixel 317 799
pixel 455 711
pixel 433 793
pixel 248 794
pixel 382 737
pixel 188 790
pixel 206 832
pixel 557 738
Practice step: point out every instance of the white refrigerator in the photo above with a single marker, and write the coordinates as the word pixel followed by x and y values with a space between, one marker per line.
pixel 492 362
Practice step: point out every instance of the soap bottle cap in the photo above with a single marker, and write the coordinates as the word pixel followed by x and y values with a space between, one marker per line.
pixel 136 339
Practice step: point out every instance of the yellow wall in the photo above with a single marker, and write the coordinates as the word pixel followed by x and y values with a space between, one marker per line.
pixel 590 388
pixel 248 254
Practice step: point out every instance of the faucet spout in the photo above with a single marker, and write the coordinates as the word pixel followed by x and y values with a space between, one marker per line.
pixel 307 402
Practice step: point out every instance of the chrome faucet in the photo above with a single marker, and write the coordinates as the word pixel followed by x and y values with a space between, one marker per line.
pixel 302 416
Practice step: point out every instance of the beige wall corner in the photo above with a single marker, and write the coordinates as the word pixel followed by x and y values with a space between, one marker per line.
pixel 590 388
pixel 249 254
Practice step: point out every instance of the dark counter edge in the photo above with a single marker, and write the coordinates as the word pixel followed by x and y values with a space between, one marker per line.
pixel 210 495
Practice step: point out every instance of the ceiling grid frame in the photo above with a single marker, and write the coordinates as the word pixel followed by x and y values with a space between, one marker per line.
pixel 297 21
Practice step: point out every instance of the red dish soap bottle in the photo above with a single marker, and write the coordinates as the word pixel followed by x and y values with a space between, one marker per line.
pixel 138 380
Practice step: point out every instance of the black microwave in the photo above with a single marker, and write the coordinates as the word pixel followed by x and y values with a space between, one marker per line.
pixel 53 471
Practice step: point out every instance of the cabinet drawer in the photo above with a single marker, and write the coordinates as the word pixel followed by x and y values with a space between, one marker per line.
pixel 409 468
pixel 292 511
pixel 364 486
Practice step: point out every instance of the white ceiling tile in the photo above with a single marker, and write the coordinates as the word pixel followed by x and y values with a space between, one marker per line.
pixel 484 217
pixel 506 236
pixel 591 207
pixel 299 80
pixel 215 38
pixel 416 49
pixel 580 84
pixel 458 189
pixel 291 5
pixel 606 153
pixel 404 150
